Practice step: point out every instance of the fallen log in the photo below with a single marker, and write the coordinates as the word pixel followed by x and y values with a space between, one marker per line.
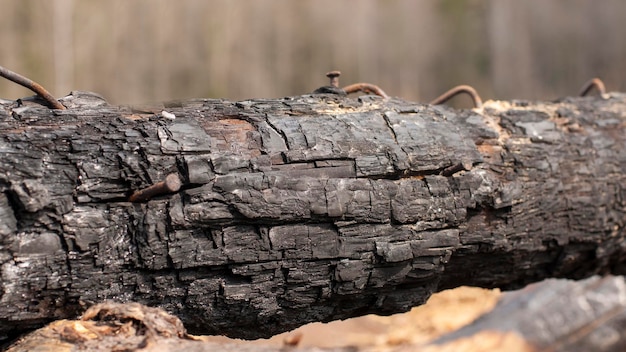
pixel 301 209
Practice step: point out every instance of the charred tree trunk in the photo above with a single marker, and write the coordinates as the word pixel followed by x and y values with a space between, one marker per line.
pixel 302 209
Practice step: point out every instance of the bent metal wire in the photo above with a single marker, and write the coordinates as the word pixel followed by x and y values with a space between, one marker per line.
pixel 30 84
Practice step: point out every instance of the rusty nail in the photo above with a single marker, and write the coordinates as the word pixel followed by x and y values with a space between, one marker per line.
pixel 365 87
pixel 169 185
pixel 478 102
pixel 34 86
pixel 590 84
pixel 334 78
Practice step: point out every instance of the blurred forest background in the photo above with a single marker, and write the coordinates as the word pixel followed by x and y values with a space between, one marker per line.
pixel 136 51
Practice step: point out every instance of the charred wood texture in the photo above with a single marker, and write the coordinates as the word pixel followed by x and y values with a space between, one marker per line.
pixel 300 209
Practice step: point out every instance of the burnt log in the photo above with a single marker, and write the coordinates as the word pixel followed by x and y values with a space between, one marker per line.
pixel 309 208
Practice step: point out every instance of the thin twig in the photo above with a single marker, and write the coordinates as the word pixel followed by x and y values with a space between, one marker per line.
pixel 590 84
pixel 366 88
pixel 34 86
pixel 478 102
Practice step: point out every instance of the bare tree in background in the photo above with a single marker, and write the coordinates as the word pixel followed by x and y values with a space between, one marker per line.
pixel 155 50
pixel 63 45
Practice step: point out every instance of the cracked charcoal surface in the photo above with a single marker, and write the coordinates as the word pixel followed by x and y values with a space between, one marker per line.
pixel 309 208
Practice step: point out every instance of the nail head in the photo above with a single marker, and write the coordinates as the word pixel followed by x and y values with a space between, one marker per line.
pixel 172 183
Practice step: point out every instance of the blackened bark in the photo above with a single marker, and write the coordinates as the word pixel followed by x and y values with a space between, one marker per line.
pixel 301 209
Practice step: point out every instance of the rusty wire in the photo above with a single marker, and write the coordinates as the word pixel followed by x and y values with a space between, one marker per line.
pixel 30 84
pixel 469 90
pixel 333 88
pixel 590 84
pixel 366 88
